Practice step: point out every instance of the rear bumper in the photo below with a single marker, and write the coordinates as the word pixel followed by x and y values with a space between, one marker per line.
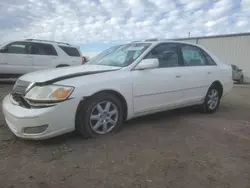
pixel 227 87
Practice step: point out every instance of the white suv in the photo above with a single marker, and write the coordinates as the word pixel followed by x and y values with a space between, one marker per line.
pixel 119 84
pixel 20 57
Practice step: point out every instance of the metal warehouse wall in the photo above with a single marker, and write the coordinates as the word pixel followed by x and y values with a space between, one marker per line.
pixel 193 41
pixel 231 50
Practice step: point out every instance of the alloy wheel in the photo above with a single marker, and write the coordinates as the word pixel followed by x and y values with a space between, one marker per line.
pixel 213 99
pixel 103 117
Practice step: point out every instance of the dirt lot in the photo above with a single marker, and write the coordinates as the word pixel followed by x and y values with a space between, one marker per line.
pixel 181 148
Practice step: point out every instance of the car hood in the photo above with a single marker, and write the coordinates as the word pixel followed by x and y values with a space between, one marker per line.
pixel 58 74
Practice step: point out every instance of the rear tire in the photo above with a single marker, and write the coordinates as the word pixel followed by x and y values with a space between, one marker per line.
pixel 212 100
pixel 100 115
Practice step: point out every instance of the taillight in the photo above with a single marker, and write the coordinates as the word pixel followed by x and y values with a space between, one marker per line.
pixel 83 60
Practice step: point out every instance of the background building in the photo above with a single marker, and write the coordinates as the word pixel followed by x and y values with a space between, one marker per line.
pixel 232 49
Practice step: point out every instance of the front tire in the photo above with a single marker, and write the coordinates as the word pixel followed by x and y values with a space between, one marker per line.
pixel 212 100
pixel 102 114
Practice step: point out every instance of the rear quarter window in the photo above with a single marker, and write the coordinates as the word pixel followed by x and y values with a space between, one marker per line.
pixel 70 51
pixel 209 60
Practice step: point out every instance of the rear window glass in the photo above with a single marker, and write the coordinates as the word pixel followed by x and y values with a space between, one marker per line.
pixel 71 51
pixel 41 49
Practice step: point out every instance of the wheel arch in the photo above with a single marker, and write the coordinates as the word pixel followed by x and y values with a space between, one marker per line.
pixel 62 65
pixel 218 84
pixel 110 91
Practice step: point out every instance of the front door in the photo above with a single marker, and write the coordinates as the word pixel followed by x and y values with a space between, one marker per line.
pixel 158 88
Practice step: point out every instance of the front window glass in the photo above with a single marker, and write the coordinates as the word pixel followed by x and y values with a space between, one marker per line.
pixel 15 48
pixel 166 54
pixel 120 56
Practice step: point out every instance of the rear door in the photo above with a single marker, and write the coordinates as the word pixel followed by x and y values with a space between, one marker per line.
pixel 15 59
pixel 43 55
pixel 195 73
pixel 212 72
pixel 74 55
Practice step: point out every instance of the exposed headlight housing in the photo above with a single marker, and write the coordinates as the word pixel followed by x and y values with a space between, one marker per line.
pixel 50 93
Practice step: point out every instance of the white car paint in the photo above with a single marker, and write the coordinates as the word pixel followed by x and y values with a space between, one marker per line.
pixel 22 63
pixel 145 91
pixel 15 63
pixel 38 76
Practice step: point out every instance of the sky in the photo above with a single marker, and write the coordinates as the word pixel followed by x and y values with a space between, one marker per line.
pixel 95 25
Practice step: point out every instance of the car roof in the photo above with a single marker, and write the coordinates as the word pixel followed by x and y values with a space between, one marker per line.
pixel 155 42
pixel 44 42
pixel 164 41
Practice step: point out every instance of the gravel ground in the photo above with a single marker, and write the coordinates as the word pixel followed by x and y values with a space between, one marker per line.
pixel 181 148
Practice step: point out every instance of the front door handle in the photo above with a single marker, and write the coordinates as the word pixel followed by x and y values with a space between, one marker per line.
pixel 178 76
pixel 209 73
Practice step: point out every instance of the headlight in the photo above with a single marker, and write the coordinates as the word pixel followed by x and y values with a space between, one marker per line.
pixel 49 93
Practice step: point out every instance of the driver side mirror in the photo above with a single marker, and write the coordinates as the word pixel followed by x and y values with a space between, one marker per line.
pixel 148 64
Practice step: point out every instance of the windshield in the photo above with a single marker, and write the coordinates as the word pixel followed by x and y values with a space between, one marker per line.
pixel 120 56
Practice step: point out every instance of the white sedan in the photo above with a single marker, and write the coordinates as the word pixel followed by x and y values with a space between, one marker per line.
pixel 121 83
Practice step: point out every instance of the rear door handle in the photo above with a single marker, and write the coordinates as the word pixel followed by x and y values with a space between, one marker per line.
pixel 178 76
pixel 209 73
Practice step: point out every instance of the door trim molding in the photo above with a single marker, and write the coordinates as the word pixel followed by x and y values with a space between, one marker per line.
pixel 144 95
